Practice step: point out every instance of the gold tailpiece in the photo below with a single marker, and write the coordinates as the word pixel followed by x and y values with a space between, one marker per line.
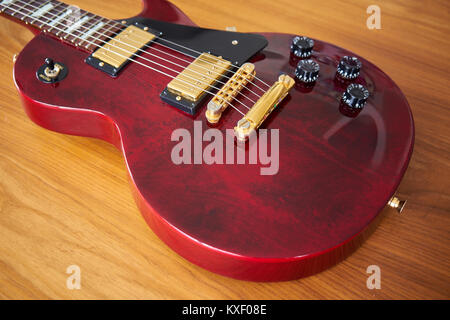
pixel 263 107
pixel 397 204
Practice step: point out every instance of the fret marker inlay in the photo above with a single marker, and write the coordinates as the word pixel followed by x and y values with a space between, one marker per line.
pixel 60 17
pixel 76 25
pixel 6 2
pixel 42 10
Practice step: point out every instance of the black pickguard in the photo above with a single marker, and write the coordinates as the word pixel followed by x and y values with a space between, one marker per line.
pixel 216 42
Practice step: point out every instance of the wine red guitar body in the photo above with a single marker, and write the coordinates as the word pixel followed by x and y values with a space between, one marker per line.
pixel 336 172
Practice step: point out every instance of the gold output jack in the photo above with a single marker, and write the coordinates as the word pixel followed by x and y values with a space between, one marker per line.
pixel 397 204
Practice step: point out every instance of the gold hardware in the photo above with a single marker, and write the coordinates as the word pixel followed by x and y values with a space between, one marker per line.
pixel 192 82
pixel 234 42
pixel 123 46
pixel 178 98
pixel 263 107
pixel 53 73
pixel 234 85
pixel 397 204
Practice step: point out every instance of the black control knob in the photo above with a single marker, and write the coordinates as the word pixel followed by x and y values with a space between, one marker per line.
pixel 307 71
pixel 302 46
pixel 355 96
pixel 349 67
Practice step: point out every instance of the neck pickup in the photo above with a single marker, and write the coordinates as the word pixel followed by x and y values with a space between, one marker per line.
pixel 114 54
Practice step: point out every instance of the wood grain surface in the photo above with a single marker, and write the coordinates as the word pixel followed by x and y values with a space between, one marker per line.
pixel 65 200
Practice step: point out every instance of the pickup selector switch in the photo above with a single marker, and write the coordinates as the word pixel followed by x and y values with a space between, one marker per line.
pixel 302 46
pixel 51 71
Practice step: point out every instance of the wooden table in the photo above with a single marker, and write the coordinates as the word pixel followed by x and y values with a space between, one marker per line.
pixel 65 200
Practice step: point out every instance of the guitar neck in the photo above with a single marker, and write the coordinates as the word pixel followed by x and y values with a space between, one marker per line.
pixel 69 23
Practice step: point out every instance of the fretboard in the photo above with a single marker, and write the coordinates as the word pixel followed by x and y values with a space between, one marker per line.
pixel 69 23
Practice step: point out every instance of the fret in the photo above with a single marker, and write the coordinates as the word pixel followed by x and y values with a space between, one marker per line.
pixel 67 22
pixel 18 14
pixel 51 15
pixel 42 10
pixel 75 35
pixel 109 32
pixel 59 18
pixel 17 9
pixel 91 30
pixel 39 18
pixel 72 23
pixel 116 28
pixel 35 6
pixel 38 14
pixel 101 34
pixel 5 4
pixel 24 11
pixel 9 7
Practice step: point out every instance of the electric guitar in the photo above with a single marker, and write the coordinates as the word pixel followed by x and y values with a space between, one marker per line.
pixel 262 157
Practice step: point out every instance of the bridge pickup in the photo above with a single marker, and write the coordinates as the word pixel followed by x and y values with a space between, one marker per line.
pixel 234 85
pixel 116 53
pixel 263 107
pixel 188 88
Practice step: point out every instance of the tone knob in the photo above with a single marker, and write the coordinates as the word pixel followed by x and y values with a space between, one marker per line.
pixel 349 67
pixel 355 96
pixel 307 71
pixel 302 46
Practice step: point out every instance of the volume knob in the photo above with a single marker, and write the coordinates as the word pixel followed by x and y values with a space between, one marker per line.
pixel 355 96
pixel 302 46
pixel 349 67
pixel 307 71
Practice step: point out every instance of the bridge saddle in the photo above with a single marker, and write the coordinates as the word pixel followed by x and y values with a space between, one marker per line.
pixel 223 97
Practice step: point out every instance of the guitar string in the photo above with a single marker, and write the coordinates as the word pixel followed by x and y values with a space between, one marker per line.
pixel 151 61
pixel 117 24
pixel 189 85
pixel 177 72
pixel 88 24
pixel 159 57
pixel 152 48
pixel 197 52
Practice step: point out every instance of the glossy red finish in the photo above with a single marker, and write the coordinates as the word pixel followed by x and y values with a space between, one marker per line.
pixel 336 172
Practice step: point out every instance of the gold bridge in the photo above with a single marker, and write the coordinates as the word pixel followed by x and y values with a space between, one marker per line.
pixel 263 107
pixel 234 85
pixel 196 78
pixel 123 46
